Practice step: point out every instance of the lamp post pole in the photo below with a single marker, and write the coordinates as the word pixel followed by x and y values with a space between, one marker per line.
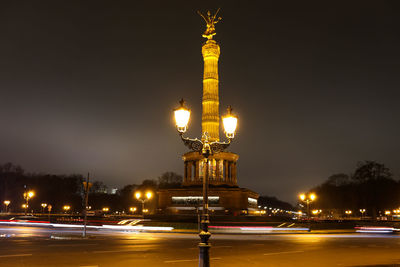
pixel 206 149
pixel 142 200
pixel 26 200
pixel 6 203
pixel 204 246
pixel 87 186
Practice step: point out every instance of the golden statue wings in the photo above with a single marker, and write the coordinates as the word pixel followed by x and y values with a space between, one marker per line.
pixel 210 20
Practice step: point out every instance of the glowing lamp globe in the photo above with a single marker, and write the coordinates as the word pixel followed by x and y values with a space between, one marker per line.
pixel 302 197
pixel 230 123
pixel 149 195
pixel 138 195
pixel 313 197
pixel 182 116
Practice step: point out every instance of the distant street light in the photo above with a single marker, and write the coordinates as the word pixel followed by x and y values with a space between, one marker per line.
pixel 49 207
pixel 348 212
pixel 6 203
pixel 308 199
pixel 143 198
pixel 25 206
pixel 86 188
pixel 362 211
pixel 132 209
pixel 44 205
pixel 316 212
pixel 106 209
pixel 27 196
pixel 66 208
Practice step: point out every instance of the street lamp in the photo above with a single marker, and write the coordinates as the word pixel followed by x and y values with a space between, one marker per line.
pixel 348 212
pixel 308 199
pixel 25 206
pixel 66 208
pixel 207 149
pixel 44 205
pixel 106 209
pixel 28 195
pixel 132 209
pixel 362 211
pixel 143 198
pixel 6 203
pixel 316 212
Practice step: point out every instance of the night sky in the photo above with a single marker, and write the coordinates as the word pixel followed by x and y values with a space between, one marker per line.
pixel 90 86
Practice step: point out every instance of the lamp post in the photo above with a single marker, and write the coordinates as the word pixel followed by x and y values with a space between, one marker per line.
pixel 143 198
pixel 348 213
pixel 49 207
pixel 6 203
pixel 132 209
pixel 308 199
pixel 106 209
pixel 25 206
pixel 66 208
pixel 27 196
pixel 86 187
pixel 206 149
pixel 362 211
pixel 44 205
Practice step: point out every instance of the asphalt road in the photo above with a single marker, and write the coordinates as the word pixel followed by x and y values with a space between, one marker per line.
pixel 30 246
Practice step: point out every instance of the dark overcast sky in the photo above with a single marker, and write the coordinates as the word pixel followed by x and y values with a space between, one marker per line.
pixel 90 86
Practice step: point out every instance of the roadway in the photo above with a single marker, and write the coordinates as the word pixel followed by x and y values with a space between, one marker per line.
pixel 34 246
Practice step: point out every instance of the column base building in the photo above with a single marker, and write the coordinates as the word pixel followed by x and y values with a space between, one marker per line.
pixel 225 196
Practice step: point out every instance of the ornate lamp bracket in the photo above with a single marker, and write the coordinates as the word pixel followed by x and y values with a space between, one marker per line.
pixel 193 144
pixel 205 147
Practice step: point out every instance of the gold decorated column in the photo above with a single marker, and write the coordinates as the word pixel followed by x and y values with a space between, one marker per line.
pixel 210 51
pixel 210 116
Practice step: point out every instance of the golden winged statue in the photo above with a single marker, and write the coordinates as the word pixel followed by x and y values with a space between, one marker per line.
pixel 210 20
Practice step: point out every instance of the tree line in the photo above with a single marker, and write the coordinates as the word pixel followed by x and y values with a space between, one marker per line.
pixel 60 190
pixel 372 186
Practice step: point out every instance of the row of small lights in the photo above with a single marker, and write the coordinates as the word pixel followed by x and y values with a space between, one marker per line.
pixel 276 210
pixel 31 194
pixel 67 207
pixel 362 211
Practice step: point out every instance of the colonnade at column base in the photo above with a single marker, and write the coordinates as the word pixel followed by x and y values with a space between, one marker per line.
pixel 222 169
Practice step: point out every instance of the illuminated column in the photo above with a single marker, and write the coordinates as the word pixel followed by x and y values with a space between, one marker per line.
pixel 189 171
pixel 234 173
pixel 217 177
pixel 210 116
pixel 185 172
pixel 229 171
pixel 196 178
pixel 226 166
